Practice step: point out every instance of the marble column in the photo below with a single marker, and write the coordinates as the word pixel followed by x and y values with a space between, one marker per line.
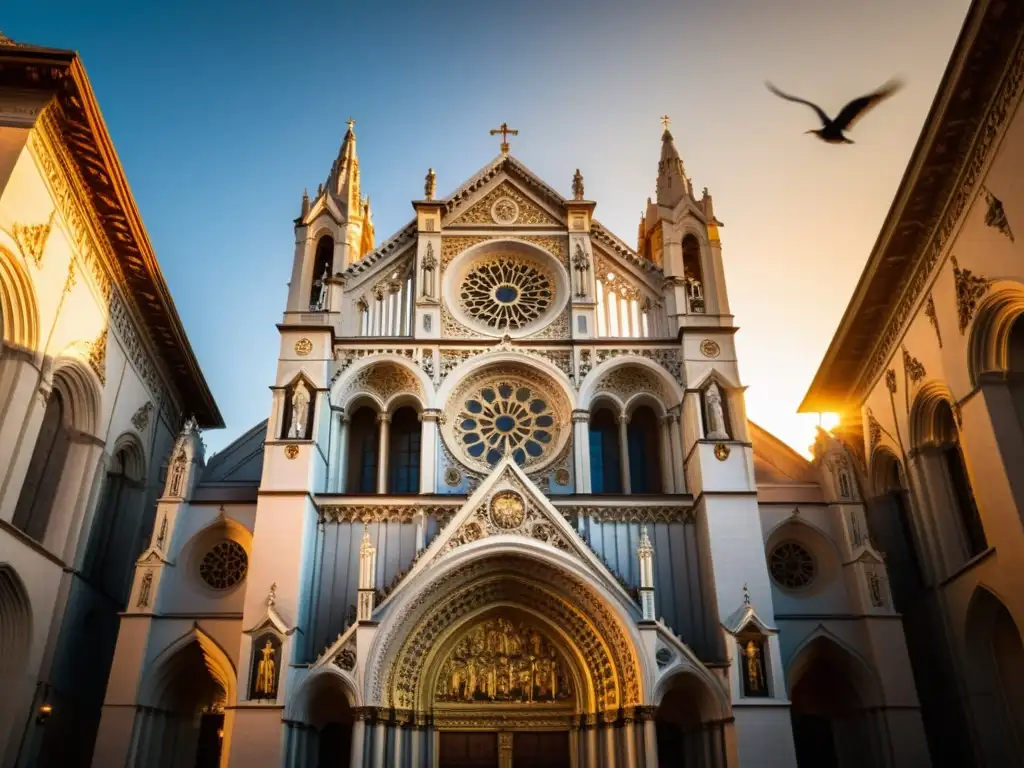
pixel 574 746
pixel 678 470
pixel 650 738
pixel 416 756
pixel 590 727
pixel 668 480
pixel 380 733
pixel 384 420
pixel 611 746
pixel 341 455
pixel 428 450
pixel 401 730
pixel 358 740
pixel 581 449
pixel 624 452
pixel 629 739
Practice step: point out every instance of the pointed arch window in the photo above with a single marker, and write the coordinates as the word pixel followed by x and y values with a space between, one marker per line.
pixel 961 493
pixel 605 459
pixel 364 447
pixel 404 452
pixel 321 271
pixel 693 274
pixel 642 437
pixel 39 490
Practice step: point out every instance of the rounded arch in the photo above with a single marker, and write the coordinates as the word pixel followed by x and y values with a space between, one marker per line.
pixel 81 389
pixel 924 426
pixel 371 376
pixel 478 363
pixel 989 346
pixel 128 457
pixel 608 402
pixel 15 621
pixel 644 400
pixel 19 312
pixel 698 695
pixel 325 692
pixel 590 386
pixel 506 569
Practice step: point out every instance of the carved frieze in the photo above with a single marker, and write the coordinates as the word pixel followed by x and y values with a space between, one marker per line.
pixel 667 358
pixel 628 380
pixel 995 216
pixel 385 513
pixel 874 432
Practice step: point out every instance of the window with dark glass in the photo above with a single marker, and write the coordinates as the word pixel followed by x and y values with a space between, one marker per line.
pixel 321 267
pixel 605 474
pixel 643 443
pixel 960 484
pixel 364 446
pixel 38 491
pixel 404 452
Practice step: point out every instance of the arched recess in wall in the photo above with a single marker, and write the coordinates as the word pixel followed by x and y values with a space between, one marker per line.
pixel 893 528
pixel 115 535
pixel 216 559
pixel 605 446
pixel 15 622
pixel 299 409
pixel 996 675
pixel 364 433
pixel 693 274
pixel 802 561
pixel 19 314
pixel 689 723
pixel 935 435
pixel 404 444
pixel 323 259
pixel 324 703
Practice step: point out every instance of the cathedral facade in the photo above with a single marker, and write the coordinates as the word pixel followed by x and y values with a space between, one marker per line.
pixel 506 509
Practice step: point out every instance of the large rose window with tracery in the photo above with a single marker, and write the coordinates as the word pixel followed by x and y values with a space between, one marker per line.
pixel 507 413
pixel 505 292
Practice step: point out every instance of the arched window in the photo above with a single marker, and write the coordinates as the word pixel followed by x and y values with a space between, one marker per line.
pixel 35 503
pixel 113 540
pixel 321 269
pixel 961 494
pixel 364 448
pixel 605 461
pixel 404 452
pixel 693 274
pixel 642 437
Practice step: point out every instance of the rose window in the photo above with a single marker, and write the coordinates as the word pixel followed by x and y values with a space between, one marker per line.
pixel 791 565
pixel 224 565
pixel 506 417
pixel 505 293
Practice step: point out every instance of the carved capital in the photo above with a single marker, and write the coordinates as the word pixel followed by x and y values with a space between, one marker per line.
pixel 580 416
pixel 431 414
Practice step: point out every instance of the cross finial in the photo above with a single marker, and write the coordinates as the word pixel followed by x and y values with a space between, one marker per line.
pixel 351 123
pixel 746 594
pixel 505 132
pixel 272 595
pixel 665 120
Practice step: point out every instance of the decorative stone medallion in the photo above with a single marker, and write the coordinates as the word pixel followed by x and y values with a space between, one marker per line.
pixel 562 476
pixel 506 292
pixel 791 565
pixel 452 477
pixel 303 347
pixel 507 510
pixel 710 348
pixel 291 451
pixel 721 451
pixel 504 211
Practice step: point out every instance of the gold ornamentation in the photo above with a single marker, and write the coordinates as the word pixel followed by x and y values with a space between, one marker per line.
pixel 721 451
pixel 224 565
pixel 303 347
pixel 504 211
pixel 995 216
pixel 140 419
pixel 562 476
pixel 505 132
pixel 890 381
pixel 291 451
pixel 387 513
pixel 507 510
pixel 31 238
pixel 933 318
pixel 98 355
pixel 874 431
pixel 502 661
pixel 522 210
pixel 710 348
pixel 754 672
pixel 969 289
pixel 266 671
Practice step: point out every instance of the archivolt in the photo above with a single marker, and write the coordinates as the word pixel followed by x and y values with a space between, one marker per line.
pixel 988 349
pixel 19 315
pixel 15 621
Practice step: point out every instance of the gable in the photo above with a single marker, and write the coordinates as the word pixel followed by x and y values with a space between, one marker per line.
pixel 777 463
pixel 241 463
pixel 505 205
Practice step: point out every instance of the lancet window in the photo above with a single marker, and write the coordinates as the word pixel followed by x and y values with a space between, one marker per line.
pixel 364 449
pixel 321 271
pixel 624 309
pixel 961 494
pixel 38 492
pixel 643 441
pixel 404 452
pixel 605 456
pixel 386 308
pixel 693 274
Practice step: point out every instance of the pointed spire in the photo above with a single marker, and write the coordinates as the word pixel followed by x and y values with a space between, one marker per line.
pixel 577 185
pixel 746 594
pixel 344 179
pixel 430 185
pixel 305 203
pixel 672 184
pixel 645 542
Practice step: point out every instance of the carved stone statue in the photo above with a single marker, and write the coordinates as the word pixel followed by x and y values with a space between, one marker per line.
pixel 300 410
pixel 577 185
pixel 144 589
pixel 755 677
pixel 430 185
pixel 320 304
pixel 716 415
pixel 266 671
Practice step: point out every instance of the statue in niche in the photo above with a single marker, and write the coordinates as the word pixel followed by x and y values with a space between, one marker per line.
pixel 177 474
pixel 321 295
pixel 266 669
pixel 715 413
pixel 754 683
pixel 500 661
pixel 144 589
pixel 300 410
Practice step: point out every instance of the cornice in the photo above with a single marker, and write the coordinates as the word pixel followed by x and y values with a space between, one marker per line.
pixel 942 177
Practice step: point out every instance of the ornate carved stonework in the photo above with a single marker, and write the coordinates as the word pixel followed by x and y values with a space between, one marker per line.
pixel 874 432
pixel 933 318
pixel 628 514
pixel 303 347
pixel 890 381
pixel 385 379
pixel 500 660
pixel 140 420
pixel 385 513
pixel 506 512
pixel 913 367
pixel 628 380
pixel 31 238
pixel 667 358
pixel 505 205
pixel 710 348
pixel 969 290
pixel 291 451
pixel 98 355
pixel 995 216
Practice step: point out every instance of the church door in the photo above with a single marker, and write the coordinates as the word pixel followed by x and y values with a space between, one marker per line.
pixel 469 749
pixel 540 749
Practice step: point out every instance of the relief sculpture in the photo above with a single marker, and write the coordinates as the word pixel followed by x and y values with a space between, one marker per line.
pixel 501 661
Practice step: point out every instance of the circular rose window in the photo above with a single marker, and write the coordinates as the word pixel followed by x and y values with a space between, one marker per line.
pixel 505 293
pixel 791 565
pixel 224 565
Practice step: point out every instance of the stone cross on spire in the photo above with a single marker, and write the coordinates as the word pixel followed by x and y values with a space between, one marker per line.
pixel 505 132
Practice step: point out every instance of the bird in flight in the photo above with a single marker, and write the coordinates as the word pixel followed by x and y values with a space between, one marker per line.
pixel 832 130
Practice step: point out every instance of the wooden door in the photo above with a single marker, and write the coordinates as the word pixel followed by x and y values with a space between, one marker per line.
pixel 540 749
pixel 469 749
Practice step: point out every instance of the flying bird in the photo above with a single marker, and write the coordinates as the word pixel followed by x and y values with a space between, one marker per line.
pixel 832 130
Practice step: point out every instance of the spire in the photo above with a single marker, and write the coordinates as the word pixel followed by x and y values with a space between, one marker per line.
pixel 344 179
pixel 305 204
pixel 645 554
pixel 671 174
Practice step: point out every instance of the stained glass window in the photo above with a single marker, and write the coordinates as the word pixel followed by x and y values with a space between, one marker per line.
pixel 791 565
pixel 506 416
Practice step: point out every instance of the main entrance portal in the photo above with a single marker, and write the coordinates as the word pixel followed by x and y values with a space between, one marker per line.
pixel 469 749
pixel 521 749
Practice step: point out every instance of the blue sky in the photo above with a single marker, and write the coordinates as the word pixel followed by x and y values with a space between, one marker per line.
pixel 222 112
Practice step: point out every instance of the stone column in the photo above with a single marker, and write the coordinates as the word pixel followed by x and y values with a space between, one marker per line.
pixel 581 449
pixel 678 457
pixel 358 739
pixel 611 751
pixel 590 729
pixel 380 732
pixel 624 452
pixel 416 756
pixel 428 450
pixel 668 480
pixel 398 755
pixel 650 736
pixel 629 737
pixel 574 746
pixel 340 473
pixel 384 420
pixel 504 749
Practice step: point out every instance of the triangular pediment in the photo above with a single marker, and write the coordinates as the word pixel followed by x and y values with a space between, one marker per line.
pixel 504 203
